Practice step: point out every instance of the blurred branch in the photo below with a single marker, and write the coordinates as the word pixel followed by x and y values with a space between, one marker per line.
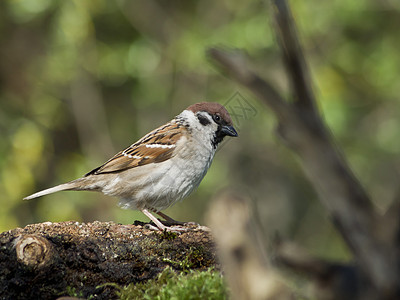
pixel 293 57
pixel 390 225
pixel 303 130
pixel 235 65
pixel 330 280
pixel 247 270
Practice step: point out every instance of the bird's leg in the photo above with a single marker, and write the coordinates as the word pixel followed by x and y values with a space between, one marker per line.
pixel 168 218
pixel 172 221
pixel 156 221
pixel 160 225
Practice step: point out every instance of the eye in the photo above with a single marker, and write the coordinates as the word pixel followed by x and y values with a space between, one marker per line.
pixel 217 118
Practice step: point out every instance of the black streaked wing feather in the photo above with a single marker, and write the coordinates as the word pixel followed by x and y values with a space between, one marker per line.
pixel 139 154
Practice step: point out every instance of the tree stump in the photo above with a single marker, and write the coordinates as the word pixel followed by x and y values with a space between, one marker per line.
pixel 49 260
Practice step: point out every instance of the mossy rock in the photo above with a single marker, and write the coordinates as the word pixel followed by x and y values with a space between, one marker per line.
pixel 48 260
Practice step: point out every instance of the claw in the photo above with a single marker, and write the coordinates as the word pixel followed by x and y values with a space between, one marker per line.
pixel 175 229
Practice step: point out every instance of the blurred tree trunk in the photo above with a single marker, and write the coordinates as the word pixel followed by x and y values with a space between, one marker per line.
pixel 372 238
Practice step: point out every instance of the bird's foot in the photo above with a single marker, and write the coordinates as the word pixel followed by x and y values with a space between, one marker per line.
pixel 176 229
pixel 191 224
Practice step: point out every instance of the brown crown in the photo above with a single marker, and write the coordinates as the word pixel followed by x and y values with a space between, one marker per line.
pixel 212 108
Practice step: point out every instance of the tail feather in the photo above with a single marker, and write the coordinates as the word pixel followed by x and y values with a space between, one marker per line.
pixel 69 186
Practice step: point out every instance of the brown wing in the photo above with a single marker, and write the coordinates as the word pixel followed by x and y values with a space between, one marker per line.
pixel 155 147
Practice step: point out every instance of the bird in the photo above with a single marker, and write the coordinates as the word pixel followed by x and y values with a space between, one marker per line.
pixel 161 168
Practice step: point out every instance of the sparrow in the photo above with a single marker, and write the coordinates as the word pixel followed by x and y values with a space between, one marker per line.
pixel 162 167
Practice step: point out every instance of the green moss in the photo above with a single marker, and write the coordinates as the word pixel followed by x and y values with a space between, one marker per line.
pixel 193 258
pixel 169 235
pixel 72 292
pixel 193 285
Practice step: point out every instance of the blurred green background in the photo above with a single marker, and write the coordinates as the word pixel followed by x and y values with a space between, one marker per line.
pixel 81 80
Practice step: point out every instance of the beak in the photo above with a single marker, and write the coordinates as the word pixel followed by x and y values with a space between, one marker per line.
pixel 229 130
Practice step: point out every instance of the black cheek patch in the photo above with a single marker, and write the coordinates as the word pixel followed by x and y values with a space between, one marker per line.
pixel 203 120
